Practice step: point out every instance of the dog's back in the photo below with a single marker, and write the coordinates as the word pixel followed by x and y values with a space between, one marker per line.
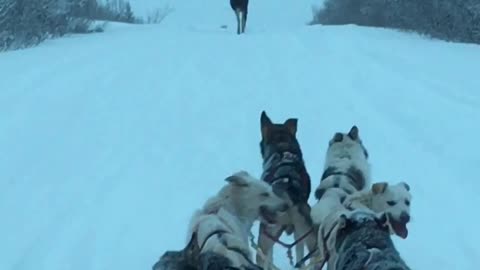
pixel 354 246
pixel 283 158
pixel 218 231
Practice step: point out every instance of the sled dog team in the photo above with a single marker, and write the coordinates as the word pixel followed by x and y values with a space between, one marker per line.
pixel 351 215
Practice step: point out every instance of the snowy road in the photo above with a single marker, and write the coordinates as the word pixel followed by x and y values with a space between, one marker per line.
pixel 110 141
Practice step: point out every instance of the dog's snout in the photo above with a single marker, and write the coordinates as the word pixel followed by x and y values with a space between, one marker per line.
pixel 404 217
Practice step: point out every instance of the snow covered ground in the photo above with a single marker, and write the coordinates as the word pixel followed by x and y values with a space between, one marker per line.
pixel 110 141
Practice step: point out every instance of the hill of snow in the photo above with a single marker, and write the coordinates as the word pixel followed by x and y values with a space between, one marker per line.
pixel 110 141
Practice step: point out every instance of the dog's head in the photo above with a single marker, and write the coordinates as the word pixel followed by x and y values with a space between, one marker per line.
pixel 350 221
pixel 277 137
pixel 394 201
pixel 347 143
pixel 256 198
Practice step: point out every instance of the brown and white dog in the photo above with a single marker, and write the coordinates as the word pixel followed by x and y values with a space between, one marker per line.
pixel 284 169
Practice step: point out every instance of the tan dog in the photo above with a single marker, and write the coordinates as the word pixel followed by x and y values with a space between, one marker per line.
pixel 223 224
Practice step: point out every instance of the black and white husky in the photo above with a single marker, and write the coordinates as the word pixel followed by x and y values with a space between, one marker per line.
pixel 240 7
pixel 346 164
pixel 346 171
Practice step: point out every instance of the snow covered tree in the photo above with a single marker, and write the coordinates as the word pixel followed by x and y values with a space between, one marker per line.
pixel 7 23
pixel 25 23
pixel 83 8
pixel 128 13
pixel 116 10
pixel 453 20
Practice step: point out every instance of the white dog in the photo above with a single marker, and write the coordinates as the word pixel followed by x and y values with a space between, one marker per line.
pixel 222 226
pixel 394 200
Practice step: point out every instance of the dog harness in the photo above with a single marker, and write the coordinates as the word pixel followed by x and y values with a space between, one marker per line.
pixel 287 168
pixel 284 169
pixel 219 233
pixel 353 179
pixel 319 262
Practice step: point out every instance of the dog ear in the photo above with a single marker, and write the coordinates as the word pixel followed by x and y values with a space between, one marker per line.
pixel 291 124
pixel 353 133
pixel 407 186
pixel 338 137
pixel 237 180
pixel 265 124
pixel 379 187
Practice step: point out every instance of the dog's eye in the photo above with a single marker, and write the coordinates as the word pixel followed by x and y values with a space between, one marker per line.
pixel 391 203
pixel 407 202
pixel 265 194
